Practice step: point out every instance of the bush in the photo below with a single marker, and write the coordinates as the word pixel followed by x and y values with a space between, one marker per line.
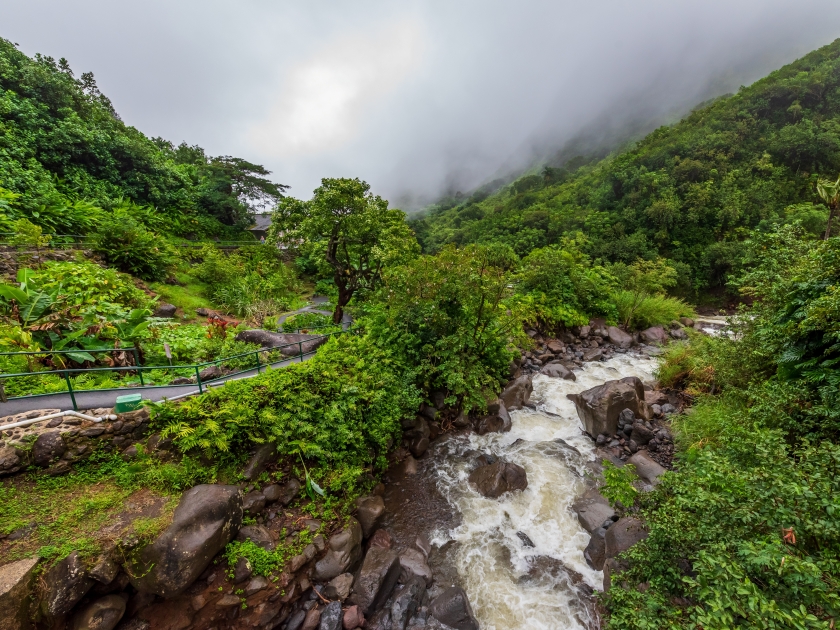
pixel 341 409
pixel 640 312
pixel 84 283
pixel 129 246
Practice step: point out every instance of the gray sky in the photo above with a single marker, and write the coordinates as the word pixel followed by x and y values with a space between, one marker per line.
pixel 415 97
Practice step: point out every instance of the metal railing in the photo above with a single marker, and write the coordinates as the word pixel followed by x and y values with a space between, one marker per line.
pixel 196 368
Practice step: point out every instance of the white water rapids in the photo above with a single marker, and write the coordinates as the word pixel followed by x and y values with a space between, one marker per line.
pixel 512 585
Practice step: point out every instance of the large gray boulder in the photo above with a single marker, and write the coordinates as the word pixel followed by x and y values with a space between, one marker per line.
pixel 377 578
pixel 646 467
pixel 206 519
pixel 497 421
pixel 369 511
pixel 453 609
pixel 654 335
pixel 495 479
pixel 344 552
pixel 555 369
pixel 48 447
pixel 414 563
pixel 517 392
pixel 592 510
pixel 406 602
pixel 596 551
pixel 622 535
pixel 64 584
pixel 618 337
pixel 290 344
pixel 102 614
pixel 331 617
pixel 599 407
pixel 16 580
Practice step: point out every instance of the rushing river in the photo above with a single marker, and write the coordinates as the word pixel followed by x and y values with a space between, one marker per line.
pixel 520 557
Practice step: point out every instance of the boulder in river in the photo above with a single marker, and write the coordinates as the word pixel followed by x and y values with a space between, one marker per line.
pixel 377 578
pixel 596 551
pixel 206 519
pixel 654 335
pixel 599 407
pixel 497 420
pixel 618 337
pixel 495 479
pixel 556 369
pixel 592 510
pixel 517 393
pixel 453 609
pixel 345 549
pixel 625 533
pixel 369 511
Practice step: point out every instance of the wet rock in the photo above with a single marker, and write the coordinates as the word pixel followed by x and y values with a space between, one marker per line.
pixel 413 563
pixel 419 446
pixel 345 550
pixel 312 619
pixel 422 543
pixel 272 492
pixel 64 584
pixel 525 539
pixel 618 337
pixel 103 614
pixel 228 601
pixel 353 618
pixel 339 587
pixel 165 309
pixel 640 434
pixel 242 570
pixel 453 609
pixel 296 620
pixel 254 502
pixel 596 551
pixel 264 454
pixel 105 570
pixel 517 393
pixel 258 534
pixel 256 585
pixel 599 407
pixel 211 373
pixel 16 582
pixel 381 538
pixel 289 492
pixel 370 511
pixel 380 621
pixel 462 420
pixel 556 369
pixel 331 617
pixel 593 354
pixel 646 468
pixel 687 322
pixel 48 447
pixel 406 602
pixel 592 510
pixel 10 461
pixel 497 421
pixel 494 480
pixel 654 335
pixel 377 578
pixel 625 533
pixel 206 519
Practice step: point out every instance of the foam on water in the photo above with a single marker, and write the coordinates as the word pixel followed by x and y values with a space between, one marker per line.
pixel 512 585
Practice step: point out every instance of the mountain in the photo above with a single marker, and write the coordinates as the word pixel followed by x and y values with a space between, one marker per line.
pixel 691 192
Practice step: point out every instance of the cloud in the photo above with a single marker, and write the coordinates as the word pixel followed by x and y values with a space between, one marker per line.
pixel 323 100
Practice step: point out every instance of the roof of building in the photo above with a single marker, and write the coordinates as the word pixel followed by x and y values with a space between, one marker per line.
pixel 261 222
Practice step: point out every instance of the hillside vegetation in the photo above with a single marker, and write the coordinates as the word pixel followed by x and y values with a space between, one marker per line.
pixel 691 192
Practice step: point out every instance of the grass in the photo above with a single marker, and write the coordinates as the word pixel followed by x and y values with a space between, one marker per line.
pixel 650 310
pixel 188 297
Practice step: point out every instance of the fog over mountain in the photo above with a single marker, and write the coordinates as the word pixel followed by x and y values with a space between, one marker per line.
pixel 417 98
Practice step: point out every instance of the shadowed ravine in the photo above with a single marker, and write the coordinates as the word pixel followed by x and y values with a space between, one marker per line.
pixel 519 557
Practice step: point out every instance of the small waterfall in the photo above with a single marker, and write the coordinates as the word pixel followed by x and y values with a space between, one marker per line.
pixel 520 557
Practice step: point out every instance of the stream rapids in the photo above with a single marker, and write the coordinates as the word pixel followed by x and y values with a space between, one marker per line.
pixel 520 557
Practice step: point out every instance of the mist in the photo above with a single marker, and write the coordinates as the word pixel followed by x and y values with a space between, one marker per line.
pixel 417 98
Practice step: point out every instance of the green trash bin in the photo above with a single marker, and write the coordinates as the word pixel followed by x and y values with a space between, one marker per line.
pixel 129 402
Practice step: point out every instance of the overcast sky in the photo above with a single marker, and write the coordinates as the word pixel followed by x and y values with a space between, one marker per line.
pixel 415 97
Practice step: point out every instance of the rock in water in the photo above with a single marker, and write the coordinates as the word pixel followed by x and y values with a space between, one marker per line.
pixel 495 479
pixel 517 393
pixel 345 551
pixel 339 587
pixel 599 407
pixel 555 369
pixel 452 608
pixel 624 534
pixel 592 510
pixel 206 519
pixel 331 617
pixel 377 578
pixel 353 618
pixel 497 421
pixel 102 614
pixel 370 510
pixel 16 581
pixel 406 602
pixel 619 337
pixel 595 552
pixel 654 335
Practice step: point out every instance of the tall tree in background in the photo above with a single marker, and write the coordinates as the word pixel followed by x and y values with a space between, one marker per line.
pixel 349 232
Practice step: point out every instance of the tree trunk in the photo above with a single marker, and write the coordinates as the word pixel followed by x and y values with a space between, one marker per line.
pixel 344 295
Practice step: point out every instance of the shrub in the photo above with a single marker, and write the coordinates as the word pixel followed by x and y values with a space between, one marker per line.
pixel 129 246
pixel 640 312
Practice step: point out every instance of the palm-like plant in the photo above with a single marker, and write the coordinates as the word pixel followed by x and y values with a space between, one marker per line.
pixel 830 193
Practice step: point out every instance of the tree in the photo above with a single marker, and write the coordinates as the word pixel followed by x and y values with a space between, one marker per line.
pixel 830 193
pixel 349 232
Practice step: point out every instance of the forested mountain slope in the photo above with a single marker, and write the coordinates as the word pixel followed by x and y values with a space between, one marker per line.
pixel 690 192
pixel 64 153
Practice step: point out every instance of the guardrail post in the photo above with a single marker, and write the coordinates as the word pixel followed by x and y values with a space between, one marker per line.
pixel 300 349
pixel 140 374
pixel 257 354
pixel 136 356
pixel 198 380
pixel 70 390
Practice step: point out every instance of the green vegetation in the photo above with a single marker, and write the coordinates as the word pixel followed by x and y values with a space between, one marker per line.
pixel 690 193
pixel 742 536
